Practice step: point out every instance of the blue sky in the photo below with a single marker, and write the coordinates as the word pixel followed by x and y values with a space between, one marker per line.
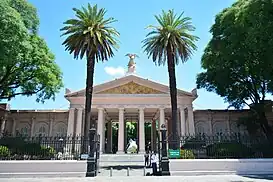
pixel 133 17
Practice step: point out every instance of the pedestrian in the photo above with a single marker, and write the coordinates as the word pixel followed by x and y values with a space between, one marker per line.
pixel 154 160
pixel 146 157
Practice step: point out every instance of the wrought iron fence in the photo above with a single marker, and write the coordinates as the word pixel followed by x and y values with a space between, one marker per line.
pixel 221 146
pixel 44 148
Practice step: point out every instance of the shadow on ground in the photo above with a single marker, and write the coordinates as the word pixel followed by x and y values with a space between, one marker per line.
pixel 122 167
pixel 267 177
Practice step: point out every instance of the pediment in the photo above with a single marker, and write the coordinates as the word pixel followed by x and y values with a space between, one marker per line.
pixel 131 88
pixel 131 84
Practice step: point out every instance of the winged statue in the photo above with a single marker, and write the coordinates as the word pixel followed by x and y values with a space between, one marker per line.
pixel 132 56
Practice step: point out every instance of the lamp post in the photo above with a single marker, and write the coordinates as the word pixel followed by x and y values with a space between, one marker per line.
pixel 91 160
pixel 164 159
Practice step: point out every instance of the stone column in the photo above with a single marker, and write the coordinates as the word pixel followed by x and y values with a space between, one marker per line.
pixel 100 126
pixel 183 121
pixel 141 131
pixel 13 127
pixel 121 131
pixel 71 118
pixel 191 121
pixel 109 136
pixel 79 122
pixel 162 117
pixel 161 120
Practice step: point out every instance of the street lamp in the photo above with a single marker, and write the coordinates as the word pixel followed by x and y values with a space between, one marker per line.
pixel 165 170
pixel 91 160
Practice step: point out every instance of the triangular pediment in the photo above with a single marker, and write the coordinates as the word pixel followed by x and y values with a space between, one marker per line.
pixel 131 84
pixel 131 88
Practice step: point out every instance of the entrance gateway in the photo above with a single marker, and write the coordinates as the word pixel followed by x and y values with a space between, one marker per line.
pixel 130 99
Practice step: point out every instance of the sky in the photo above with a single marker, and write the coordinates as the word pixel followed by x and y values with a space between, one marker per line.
pixel 133 17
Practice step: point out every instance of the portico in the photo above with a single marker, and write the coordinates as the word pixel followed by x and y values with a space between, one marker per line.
pixel 130 98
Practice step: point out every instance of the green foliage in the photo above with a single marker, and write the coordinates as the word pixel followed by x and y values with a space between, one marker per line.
pixel 194 143
pixel 228 150
pixel 18 146
pixel 171 41
pixel 15 144
pixel 4 151
pixel 90 34
pixel 27 66
pixel 186 154
pixel 238 59
pixel 172 33
pixel 47 151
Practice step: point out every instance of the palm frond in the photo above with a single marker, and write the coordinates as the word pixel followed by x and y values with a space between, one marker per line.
pixel 90 34
pixel 172 34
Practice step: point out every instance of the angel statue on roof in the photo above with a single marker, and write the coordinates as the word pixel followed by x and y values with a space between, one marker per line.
pixel 131 64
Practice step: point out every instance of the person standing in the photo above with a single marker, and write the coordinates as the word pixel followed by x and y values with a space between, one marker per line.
pixel 154 160
pixel 146 157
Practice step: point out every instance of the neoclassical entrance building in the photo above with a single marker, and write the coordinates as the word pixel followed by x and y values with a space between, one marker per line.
pixel 129 98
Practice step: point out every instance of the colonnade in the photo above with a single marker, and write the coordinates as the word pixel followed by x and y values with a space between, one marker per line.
pixel 76 114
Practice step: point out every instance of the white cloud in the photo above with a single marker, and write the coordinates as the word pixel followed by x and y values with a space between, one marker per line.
pixel 118 71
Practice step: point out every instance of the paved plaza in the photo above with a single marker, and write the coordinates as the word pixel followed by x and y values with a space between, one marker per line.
pixel 205 178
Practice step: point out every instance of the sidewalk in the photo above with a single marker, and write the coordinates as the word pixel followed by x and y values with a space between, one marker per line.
pixel 205 178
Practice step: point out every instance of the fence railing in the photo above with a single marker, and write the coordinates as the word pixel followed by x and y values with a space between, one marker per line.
pixel 221 146
pixel 43 148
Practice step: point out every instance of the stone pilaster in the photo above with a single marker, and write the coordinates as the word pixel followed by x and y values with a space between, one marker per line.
pixel 183 121
pixel 13 131
pixel 191 120
pixel 71 121
pixel 79 122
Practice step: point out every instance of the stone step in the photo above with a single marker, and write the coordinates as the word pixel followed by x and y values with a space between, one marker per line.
pixel 121 160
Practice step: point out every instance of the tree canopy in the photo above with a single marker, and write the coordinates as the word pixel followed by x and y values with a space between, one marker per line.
pixel 171 41
pixel 27 66
pixel 238 60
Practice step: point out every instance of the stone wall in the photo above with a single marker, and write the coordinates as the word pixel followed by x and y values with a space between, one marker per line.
pixel 35 123
pixel 55 122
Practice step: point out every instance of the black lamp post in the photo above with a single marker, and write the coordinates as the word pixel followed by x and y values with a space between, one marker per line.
pixel 164 159
pixel 91 160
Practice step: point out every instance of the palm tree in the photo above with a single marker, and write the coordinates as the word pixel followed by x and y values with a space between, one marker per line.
pixel 171 41
pixel 90 35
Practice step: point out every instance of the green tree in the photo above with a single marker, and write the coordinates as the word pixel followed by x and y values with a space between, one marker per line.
pixel 173 42
pixel 238 58
pixel 90 35
pixel 27 66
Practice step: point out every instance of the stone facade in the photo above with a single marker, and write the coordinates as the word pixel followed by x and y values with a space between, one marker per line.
pixel 118 101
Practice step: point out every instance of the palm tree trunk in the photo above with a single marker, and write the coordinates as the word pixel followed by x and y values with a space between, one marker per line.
pixel 88 99
pixel 173 93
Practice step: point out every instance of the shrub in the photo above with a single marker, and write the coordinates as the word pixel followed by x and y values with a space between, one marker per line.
pixel 4 151
pixel 32 149
pixel 15 144
pixel 228 150
pixel 186 154
pixel 194 143
pixel 47 151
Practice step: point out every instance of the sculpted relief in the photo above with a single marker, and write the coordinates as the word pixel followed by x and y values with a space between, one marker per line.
pixel 131 88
